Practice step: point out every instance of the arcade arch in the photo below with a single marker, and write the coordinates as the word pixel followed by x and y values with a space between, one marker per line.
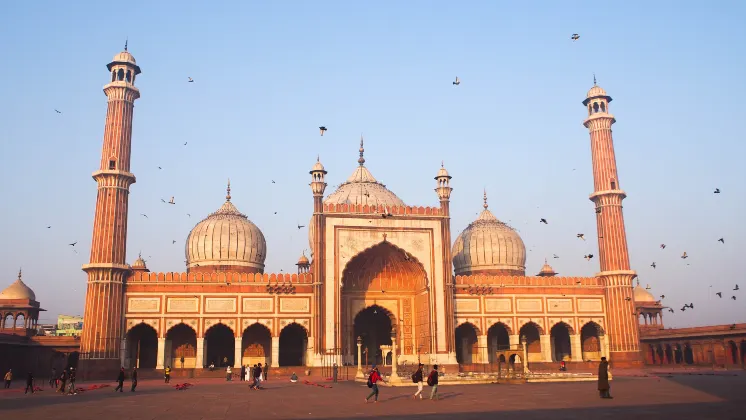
pixel 293 345
pixel 220 344
pixel 560 339
pixel 142 347
pixel 256 345
pixel 467 345
pixel 181 342
pixel 374 326
pixel 532 333
pixel 498 338
pixel 590 342
pixel 388 273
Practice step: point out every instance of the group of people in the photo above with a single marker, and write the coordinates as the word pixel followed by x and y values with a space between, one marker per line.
pixel 64 382
pixel 417 377
pixel 133 376
pixel 255 374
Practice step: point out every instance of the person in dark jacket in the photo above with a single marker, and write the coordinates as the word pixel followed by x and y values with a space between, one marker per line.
pixel 603 379
pixel 134 380
pixel 417 378
pixel 257 377
pixel 63 381
pixel 72 390
pixel 243 373
pixel 120 381
pixel 29 383
pixel 432 380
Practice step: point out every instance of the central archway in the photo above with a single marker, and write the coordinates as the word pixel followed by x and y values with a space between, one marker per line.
pixel 142 347
pixel 220 345
pixel 391 275
pixel 373 325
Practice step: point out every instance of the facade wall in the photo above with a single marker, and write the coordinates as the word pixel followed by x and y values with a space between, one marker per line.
pixel 717 345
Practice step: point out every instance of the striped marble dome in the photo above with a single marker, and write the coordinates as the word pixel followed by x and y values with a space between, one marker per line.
pixel 226 241
pixel 489 246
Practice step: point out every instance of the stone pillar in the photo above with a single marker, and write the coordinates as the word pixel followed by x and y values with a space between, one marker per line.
pixel 200 362
pixel 546 347
pixel 124 360
pixel 484 353
pixel 514 340
pixel 394 374
pixel 576 348
pixel 161 353
pixel 359 373
pixel 603 342
pixel 275 351
pixel 238 354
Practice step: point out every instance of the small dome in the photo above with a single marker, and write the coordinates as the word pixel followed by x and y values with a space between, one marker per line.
pixel 546 270
pixel 442 172
pixel 139 264
pixel 489 246
pixel 226 241
pixel 318 167
pixel 124 57
pixel 303 260
pixel 595 92
pixel 643 296
pixel 18 290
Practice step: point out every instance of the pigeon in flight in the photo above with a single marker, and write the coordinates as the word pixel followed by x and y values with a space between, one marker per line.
pixel 575 37
pixel 49 227
pixel 173 241
pixel 628 298
pixel 273 181
pixel 162 200
pixel 717 191
pixel 721 240
pixel 457 82
pixel 653 264
pixel 663 296
pixel 160 167
pixel 555 256
pixel 73 244
pixel 647 287
pixel 144 215
pixel 301 226
pixel 581 236
pixel 322 129
pixel 736 288
pixel 588 257
pixel 543 221
pixel 684 256
pixel 720 294
pixel 185 143
pixel 189 215
pixel 190 80
pixel 733 297
pixel 57 111
pixel 171 201
pixel 670 310
pixel 663 246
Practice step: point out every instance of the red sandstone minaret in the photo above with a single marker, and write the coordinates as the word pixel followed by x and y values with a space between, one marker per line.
pixel 622 325
pixel 107 270
pixel 318 186
pixel 443 189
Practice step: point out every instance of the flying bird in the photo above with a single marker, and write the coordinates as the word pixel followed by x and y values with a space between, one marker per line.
pixel 144 215
pixel 588 257
pixel 162 200
pixel 273 181
pixel 720 294
pixel 322 129
pixel 171 201
pixel 628 298
pixel 736 288
pixel 663 246
pixel 543 221
pixel 684 256
pixel 721 240
pixel 575 37
pixel 647 287
pixel 581 236
pixel 555 256
pixel 189 215
pixel 301 226
pixel 653 264
pixel 190 80
pixel 717 191
pixel 49 227
pixel 160 167
pixel 663 296
pixel 670 310
pixel 173 242
pixel 733 297
pixel 457 82
pixel 185 143
pixel 73 244
pixel 683 309
pixel 59 112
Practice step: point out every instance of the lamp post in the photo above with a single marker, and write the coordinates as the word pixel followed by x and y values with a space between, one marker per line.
pixel 394 375
pixel 525 354
pixel 359 357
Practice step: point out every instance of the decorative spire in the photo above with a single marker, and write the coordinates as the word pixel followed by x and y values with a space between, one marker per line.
pixel 361 160
pixel 442 164
pixel 638 282
pixel 545 261
pixel 228 191
pixel 485 199
pixel 594 79
pixel 126 41
pixel 19 273
pixel 318 158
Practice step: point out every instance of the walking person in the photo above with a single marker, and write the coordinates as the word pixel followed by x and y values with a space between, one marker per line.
pixel 432 380
pixel 603 379
pixel 228 373
pixel 8 378
pixel 29 383
pixel 120 381
pixel 53 379
pixel 257 377
pixel 167 373
pixel 373 379
pixel 71 390
pixel 417 378
pixel 243 373
pixel 63 381
pixel 134 379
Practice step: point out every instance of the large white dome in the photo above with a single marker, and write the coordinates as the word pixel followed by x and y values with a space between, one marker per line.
pixel 489 246
pixel 226 241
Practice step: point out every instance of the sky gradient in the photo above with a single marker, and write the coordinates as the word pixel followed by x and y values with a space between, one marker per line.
pixel 267 74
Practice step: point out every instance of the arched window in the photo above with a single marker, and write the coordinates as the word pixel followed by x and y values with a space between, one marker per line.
pixel 112 164
pixel 595 107
pixel 613 184
pixel 129 76
pixel 603 107
pixel 120 75
pixel 113 75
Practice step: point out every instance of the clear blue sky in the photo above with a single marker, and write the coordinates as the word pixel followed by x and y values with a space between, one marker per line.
pixel 267 74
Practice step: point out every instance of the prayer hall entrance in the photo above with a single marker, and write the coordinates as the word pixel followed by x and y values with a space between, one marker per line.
pixel 385 298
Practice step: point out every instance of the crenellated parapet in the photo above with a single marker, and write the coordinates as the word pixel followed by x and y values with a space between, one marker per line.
pixel 221 277
pixel 383 210
pixel 525 281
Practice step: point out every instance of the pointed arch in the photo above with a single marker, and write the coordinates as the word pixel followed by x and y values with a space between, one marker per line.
pixel 590 341
pixel 293 345
pixel 142 346
pixel 534 324
pixel 256 344
pixel 564 324
pixel 181 346
pixel 467 343
pixel 384 266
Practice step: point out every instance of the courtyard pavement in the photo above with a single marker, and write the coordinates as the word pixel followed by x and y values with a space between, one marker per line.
pixel 680 396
